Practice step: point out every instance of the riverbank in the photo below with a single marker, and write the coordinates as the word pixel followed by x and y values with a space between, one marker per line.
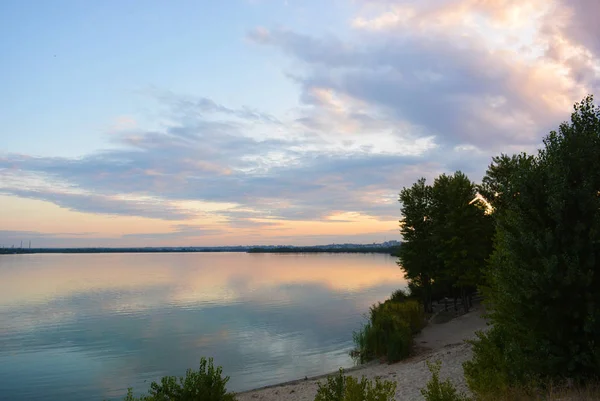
pixel 444 342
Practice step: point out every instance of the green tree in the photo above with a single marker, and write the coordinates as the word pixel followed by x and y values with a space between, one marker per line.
pixel 496 184
pixel 420 265
pixel 446 238
pixel 544 275
pixel 461 233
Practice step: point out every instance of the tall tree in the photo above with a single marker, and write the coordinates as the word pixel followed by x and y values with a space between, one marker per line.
pixel 446 238
pixel 415 256
pixel 496 184
pixel 545 270
pixel 461 232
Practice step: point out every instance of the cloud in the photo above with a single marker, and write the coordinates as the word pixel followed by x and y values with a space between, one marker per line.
pixel 572 40
pixel 239 181
pixel 202 106
pixel 12 234
pixel 9 238
pixel 181 231
pixel 412 89
pixel 93 203
pixel 449 86
pixel 580 23
pixel 288 175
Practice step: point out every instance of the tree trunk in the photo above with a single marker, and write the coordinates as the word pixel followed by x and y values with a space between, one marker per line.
pixel 464 300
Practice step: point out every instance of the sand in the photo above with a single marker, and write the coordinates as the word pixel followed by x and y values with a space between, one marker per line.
pixel 444 342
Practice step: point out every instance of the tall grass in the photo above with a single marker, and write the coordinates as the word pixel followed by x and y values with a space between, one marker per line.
pixel 389 332
pixel 438 390
pixel 347 388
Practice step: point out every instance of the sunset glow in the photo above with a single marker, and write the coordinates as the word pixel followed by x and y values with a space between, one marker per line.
pixel 268 122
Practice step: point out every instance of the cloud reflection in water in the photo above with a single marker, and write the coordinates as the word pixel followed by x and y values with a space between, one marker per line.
pixel 88 326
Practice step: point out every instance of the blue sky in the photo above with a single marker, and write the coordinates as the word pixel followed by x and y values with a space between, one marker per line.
pixel 263 121
pixel 74 66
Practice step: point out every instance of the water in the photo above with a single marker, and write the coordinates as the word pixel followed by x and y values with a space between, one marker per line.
pixel 87 326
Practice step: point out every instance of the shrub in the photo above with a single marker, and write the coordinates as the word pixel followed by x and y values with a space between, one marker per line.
pixel 437 390
pixel 399 296
pixel 348 388
pixel 206 384
pixel 498 366
pixel 389 332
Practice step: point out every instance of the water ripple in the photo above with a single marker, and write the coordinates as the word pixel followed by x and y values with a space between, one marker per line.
pixel 88 326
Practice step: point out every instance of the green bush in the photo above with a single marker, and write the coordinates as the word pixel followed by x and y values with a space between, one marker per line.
pixel 498 366
pixel 206 384
pixel 437 390
pixel 389 332
pixel 399 296
pixel 348 388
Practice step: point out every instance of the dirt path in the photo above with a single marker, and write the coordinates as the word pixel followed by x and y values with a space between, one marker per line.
pixel 443 342
pixel 436 336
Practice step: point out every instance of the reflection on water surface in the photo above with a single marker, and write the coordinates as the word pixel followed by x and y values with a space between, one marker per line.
pixel 88 326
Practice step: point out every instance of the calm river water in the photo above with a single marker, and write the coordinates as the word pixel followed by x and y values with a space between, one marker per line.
pixel 86 327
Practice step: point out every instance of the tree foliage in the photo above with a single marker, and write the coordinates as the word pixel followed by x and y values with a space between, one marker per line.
pixel 420 265
pixel 544 273
pixel 496 184
pixel 446 237
pixel 462 232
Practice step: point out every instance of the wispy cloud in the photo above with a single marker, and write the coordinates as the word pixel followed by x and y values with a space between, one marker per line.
pixel 103 204
pixel 181 231
pixel 287 176
pixel 412 89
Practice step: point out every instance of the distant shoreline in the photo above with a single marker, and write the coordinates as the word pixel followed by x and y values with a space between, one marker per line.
pixel 242 249
pixel 10 251
pixel 363 249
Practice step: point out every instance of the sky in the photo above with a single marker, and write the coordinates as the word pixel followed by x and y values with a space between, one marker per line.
pixel 243 122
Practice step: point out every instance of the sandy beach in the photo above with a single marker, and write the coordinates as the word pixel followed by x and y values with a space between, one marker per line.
pixel 444 342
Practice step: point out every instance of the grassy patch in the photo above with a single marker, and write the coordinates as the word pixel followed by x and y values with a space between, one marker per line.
pixel 389 332
pixel 348 388
pixel 438 390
